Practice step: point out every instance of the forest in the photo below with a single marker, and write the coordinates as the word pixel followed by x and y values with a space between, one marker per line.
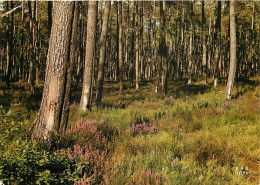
pixel 129 92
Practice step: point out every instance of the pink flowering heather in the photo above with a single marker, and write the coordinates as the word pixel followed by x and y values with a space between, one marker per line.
pixel 95 161
pixel 86 126
pixel 142 128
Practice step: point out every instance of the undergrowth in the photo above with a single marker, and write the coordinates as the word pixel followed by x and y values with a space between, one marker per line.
pixel 188 137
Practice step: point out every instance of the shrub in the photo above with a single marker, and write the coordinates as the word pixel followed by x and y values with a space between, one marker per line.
pixel 86 133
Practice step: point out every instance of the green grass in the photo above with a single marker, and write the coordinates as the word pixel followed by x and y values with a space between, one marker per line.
pixel 198 139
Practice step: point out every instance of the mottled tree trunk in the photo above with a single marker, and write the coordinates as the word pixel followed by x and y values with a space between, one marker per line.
pixel 102 53
pixel 85 101
pixel 136 48
pixel 120 49
pixel 232 67
pixel 49 116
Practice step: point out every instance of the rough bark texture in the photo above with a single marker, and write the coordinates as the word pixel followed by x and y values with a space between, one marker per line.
pixel 72 59
pixel 102 53
pixel 49 116
pixel 232 67
pixel 120 49
pixel 90 49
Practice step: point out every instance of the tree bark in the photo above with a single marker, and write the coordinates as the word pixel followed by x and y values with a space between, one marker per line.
pixel 136 48
pixel 162 73
pixel 120 49
pixel 102 53
pixel 31 47
pixel 85 102
pixel 72 59
pixel 190 56
pixel 9 45
pixel 204 45
pixel 22 47
pixel 217 41
pixel 232 67
pixel 49 116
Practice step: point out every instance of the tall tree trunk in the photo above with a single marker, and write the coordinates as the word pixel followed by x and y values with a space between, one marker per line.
pixel 31 46
pixel 102 53
pixel 89 58
pixel 117 44
pixel 232 67
pixel 9 45
pixel 72 59
pixel 126 70
pixel 190 56
pixel 136 47
pixel 49 116
pixel 162 73
pixel 204 45
pixel 120 49
pixel 217 40
pixel 131 67
pixel 22 47
pixel 36 41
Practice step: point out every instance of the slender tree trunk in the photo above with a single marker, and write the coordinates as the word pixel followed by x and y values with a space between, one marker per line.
pixel 232 68
pixel 22 47
pixel 136 48
pixel 36 41
pixel 49 116
pixel 126 69
pixel 190 56
pixel 9 45
pixel 102 53
pixel 31 47
pixel 217 40
pixel 120 49
pixel 204 46
pixel 117 44
pixel 131 67
pixel 89 58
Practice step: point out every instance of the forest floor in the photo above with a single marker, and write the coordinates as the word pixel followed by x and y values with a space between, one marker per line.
pixel 189 137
